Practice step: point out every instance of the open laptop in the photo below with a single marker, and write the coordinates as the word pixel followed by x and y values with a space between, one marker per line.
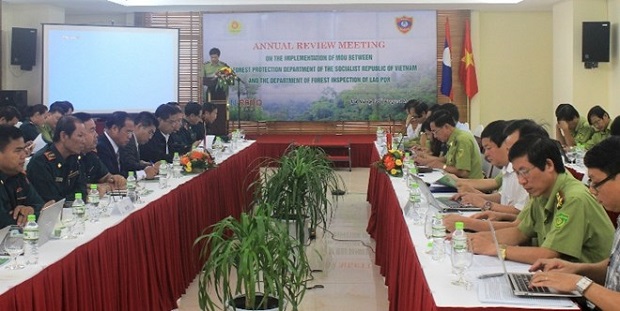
pixel 519 282
pixel 432 201
pixel 457 205
pixel 48 218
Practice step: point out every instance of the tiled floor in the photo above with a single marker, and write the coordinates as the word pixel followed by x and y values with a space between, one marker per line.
pixel 350 279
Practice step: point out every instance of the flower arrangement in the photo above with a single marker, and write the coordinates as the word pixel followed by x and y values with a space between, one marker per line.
pixel 197 161
pixel 392 163
pixel 225 77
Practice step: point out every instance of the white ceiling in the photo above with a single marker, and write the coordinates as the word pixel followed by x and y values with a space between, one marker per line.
pixel 106 7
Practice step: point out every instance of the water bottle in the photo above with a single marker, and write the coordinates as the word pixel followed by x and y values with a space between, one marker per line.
pixel 79 211
pixel 415 200
pixel 459 239
pixel 176 165
pixel 31 240
pixel 439 234
pixel 93 201
pixel 131 187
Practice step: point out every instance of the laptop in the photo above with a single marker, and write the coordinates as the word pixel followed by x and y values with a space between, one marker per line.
pixel 48 218
pixel 519 282
pixel 432 201
pixel 457 205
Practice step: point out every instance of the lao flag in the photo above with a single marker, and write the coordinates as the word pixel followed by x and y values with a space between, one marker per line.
pixel 446 68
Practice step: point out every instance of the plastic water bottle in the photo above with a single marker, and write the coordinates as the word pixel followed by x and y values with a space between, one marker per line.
pixel 415 199
pixel 176 165
pixel 439 234
pixel 31 240
pixel 459 239
pixel 93 201
pixel 131 187
pixel 79 211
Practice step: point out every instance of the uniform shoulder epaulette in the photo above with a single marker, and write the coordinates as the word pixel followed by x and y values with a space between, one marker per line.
pixel 49 155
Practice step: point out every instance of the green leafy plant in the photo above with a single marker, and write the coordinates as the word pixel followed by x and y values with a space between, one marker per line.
pixel 252 256
pixel 299 190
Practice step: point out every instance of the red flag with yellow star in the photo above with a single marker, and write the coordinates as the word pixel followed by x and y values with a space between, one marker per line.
pixel 467 70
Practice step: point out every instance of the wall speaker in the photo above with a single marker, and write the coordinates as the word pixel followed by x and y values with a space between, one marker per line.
pixel 24 47
pixel 595 42
pixel 17 99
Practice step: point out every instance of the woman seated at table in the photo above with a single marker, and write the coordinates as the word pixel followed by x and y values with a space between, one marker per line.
pixel 463 156
pixel 597 282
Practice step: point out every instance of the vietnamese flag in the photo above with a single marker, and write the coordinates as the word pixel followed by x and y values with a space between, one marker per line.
pixel 467 70
pixel 446 67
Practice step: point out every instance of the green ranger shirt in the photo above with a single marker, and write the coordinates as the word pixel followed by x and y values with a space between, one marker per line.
pixel 570 221
pixel 597 137
pixel 47 133
pixel 583 132
pixel 92 167
pixel 56 178
pixel 16 190
pixel 463 153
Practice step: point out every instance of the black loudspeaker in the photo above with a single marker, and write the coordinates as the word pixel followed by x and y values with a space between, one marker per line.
pixel 595 42
pixel 24 47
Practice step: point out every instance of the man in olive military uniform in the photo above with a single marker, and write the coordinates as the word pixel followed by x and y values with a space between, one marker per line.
pixel 571 130
pixel 55 170
pixel 17 196
pixel 562 216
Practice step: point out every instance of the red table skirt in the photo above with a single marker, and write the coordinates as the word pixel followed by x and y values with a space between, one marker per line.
pixel 395 252
pixel 147 261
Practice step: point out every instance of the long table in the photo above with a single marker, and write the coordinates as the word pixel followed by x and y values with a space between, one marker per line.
pixel 144 260
pixel 414 282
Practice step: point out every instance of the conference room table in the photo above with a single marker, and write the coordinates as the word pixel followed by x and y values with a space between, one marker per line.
pixel 141 260
pixel 414 280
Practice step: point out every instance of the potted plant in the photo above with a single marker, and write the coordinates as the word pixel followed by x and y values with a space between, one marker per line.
pixel 299 189
pixel 255 257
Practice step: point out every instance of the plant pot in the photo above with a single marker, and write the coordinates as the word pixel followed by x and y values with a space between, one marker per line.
pixel 239 303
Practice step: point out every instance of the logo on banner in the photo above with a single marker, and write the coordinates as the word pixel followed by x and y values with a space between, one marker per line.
pixel 404 23
pixel 234 26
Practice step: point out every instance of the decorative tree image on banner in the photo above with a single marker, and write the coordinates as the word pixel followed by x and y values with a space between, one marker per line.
pixel 326 66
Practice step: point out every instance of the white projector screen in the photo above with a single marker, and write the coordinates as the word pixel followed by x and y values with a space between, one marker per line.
pixel 101 69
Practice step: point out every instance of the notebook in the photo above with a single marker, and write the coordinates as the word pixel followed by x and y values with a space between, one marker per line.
pixel 457 206
pixel 519 282
pixel 48 218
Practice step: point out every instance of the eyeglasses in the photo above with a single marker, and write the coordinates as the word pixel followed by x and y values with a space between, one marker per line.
pixel 596 185
pixel 434 132
pixel 524 172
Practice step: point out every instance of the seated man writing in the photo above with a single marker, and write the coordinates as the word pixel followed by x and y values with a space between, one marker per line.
pixel 562 217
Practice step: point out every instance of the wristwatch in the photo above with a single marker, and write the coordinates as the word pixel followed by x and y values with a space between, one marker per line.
pixel 487 206
pixel 583 284
pixel 502 251
pixel 444 167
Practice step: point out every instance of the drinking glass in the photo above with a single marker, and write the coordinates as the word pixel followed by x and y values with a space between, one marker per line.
pixel 69 221
pixel 163 176
pixel 104 203
pixel 14 245
pixel 461 261
pixel 242 134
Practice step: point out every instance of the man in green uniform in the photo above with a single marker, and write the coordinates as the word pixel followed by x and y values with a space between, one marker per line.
pixel 463 157
pixel 55 170
pixel 563 218
pixel 600 121
pixel 571 130
pixel 215 91
pixel 17 197
pixel 51 119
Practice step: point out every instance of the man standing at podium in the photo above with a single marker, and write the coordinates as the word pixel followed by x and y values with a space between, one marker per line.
pixel 210 69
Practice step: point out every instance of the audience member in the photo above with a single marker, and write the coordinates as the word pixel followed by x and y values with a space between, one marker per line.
pixel 145 126
pixel 9 115
pixel 34 119
pixel 159 147
pixel 562 217
pixel 18 198
pixel 598 282
pixel 51 118
pixel 463 157
pixel 62 105
pixel 599 119
pixel 90 165
pixel 209 115
pixel 454 112
pixel 118 131
pixel 614 128
pixel 571 130
pixel 187 137
pixel 55 170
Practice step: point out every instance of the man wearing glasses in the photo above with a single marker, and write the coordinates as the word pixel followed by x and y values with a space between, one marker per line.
pixel 598 282
pixel 561 220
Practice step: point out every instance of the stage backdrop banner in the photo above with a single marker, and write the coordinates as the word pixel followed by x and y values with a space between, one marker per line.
pixel 326 66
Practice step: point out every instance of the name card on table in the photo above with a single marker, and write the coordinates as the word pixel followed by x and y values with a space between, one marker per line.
pixel 122 207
